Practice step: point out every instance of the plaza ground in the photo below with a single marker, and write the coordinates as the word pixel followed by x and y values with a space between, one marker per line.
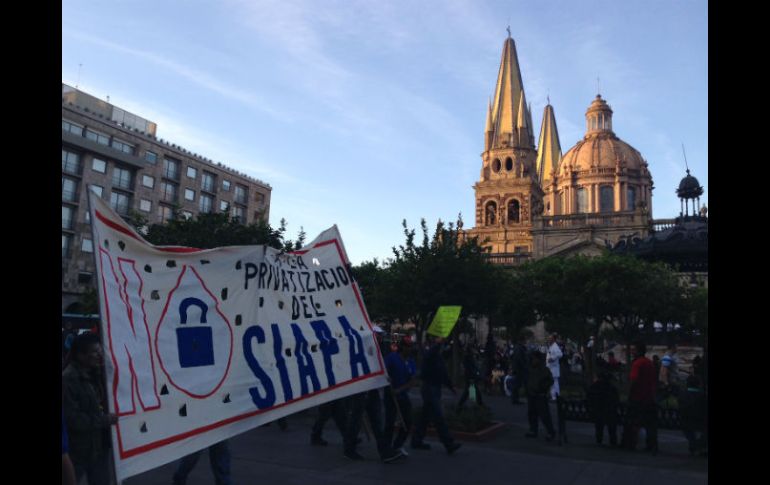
pixel 268 455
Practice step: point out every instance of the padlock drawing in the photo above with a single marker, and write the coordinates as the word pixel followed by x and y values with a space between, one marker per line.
pixel 195 343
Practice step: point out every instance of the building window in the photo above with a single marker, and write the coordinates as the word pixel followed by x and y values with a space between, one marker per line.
pixel 66 217
pixel 239 214
pixel 87 217
pixel 151 157
pixel 145 205
pixel 70 162
pixel 85 278
pixel 209 182
pixel 189 194
pixel 148 181
pixel 123 146
pixel 170 168
pixel 508 164
pixel 513 211
pixel 240 194
pixel 68 189
pixel 260 198
pixel 70 127
pixel 192 172
pixel 606 199
pixel 120 202
pixel 582 200
pixel 224 206
pixel 98 165
pixel 87 246
pixel 496 166
pixel 121 178
pixel 166 213
pixel 631 198
pixel 97 189
pixel 65 245
pixel 206 203
pixel 168 192
pixel 226 185
pixel 99 138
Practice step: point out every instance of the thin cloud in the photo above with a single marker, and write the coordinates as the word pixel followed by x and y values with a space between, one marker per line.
pixel 200 78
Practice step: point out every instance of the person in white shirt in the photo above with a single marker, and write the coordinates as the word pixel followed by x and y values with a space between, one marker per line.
pixel 552 361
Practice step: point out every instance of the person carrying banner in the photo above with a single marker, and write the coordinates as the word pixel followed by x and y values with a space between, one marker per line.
pixel 85 411
pixel 434 375
pixel 371 403
pixel 397 401
pixel 336 410
pixel 219 457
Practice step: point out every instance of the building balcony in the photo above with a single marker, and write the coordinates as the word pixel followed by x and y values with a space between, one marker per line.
pixel 508 259
pixel 606 219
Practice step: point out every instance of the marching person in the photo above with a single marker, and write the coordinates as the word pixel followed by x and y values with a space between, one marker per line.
pixel 397 396
pixel 85 411
pixel 552 359
pixel 434 376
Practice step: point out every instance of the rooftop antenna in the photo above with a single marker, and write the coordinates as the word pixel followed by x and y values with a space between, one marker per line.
pixel 548 96
pixel 598 87
pixel 685 160
pixel 80 66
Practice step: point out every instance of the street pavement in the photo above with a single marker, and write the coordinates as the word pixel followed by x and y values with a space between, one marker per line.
pixel 269 456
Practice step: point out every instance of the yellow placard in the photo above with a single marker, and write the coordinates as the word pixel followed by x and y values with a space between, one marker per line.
pixel 444 321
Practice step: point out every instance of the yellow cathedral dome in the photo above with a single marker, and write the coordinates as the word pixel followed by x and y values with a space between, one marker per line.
pixel 601 148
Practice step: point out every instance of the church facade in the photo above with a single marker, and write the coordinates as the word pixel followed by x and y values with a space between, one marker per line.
pixel 534 201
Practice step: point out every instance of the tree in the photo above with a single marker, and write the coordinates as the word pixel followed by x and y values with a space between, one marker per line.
pixel 211 230
pixel 444 269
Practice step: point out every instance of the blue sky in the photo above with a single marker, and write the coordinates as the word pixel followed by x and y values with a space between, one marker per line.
pixel 364 113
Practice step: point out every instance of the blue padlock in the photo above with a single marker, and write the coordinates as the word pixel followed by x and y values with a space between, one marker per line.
pixel 195 344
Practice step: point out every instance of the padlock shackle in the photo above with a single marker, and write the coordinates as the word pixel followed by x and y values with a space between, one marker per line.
pixel 192 301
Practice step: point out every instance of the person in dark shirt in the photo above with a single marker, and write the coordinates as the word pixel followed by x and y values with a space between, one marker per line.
pixel 538 387
pixel 518 369
pixel 642 410
pixel 397 396
pixel 472 377
pixel 434 375
pixel 603 405
pixel 692 413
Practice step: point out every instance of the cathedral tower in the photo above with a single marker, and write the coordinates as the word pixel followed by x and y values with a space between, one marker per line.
pixel 508 193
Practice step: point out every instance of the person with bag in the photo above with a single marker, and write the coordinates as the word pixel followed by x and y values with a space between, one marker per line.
pixel 472 379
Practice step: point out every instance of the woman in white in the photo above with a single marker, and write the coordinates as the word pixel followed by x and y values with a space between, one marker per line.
pixel 552 361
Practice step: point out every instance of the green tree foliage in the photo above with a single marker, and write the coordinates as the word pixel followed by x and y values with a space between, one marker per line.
pixel 442 269
pixel 213 230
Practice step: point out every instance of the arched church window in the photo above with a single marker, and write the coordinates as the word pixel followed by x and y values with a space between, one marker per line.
pixel 508 164
pixel 496 165
pixel 606 198
pixel 490 212
pixel 513 211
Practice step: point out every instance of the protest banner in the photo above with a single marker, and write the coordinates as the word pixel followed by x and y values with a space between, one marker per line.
pixel 201 345
pixel 444 321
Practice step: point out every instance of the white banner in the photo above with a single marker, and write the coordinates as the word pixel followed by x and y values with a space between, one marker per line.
pixel 201 345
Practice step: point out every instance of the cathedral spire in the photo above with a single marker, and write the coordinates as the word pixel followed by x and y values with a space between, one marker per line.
pixel 508 100
pixel 488 127
pixel 548 148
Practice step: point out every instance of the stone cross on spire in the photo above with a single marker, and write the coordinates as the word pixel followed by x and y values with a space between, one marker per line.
pixel 509 31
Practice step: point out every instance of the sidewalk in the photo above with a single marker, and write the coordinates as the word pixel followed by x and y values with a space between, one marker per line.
pixel 268 455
